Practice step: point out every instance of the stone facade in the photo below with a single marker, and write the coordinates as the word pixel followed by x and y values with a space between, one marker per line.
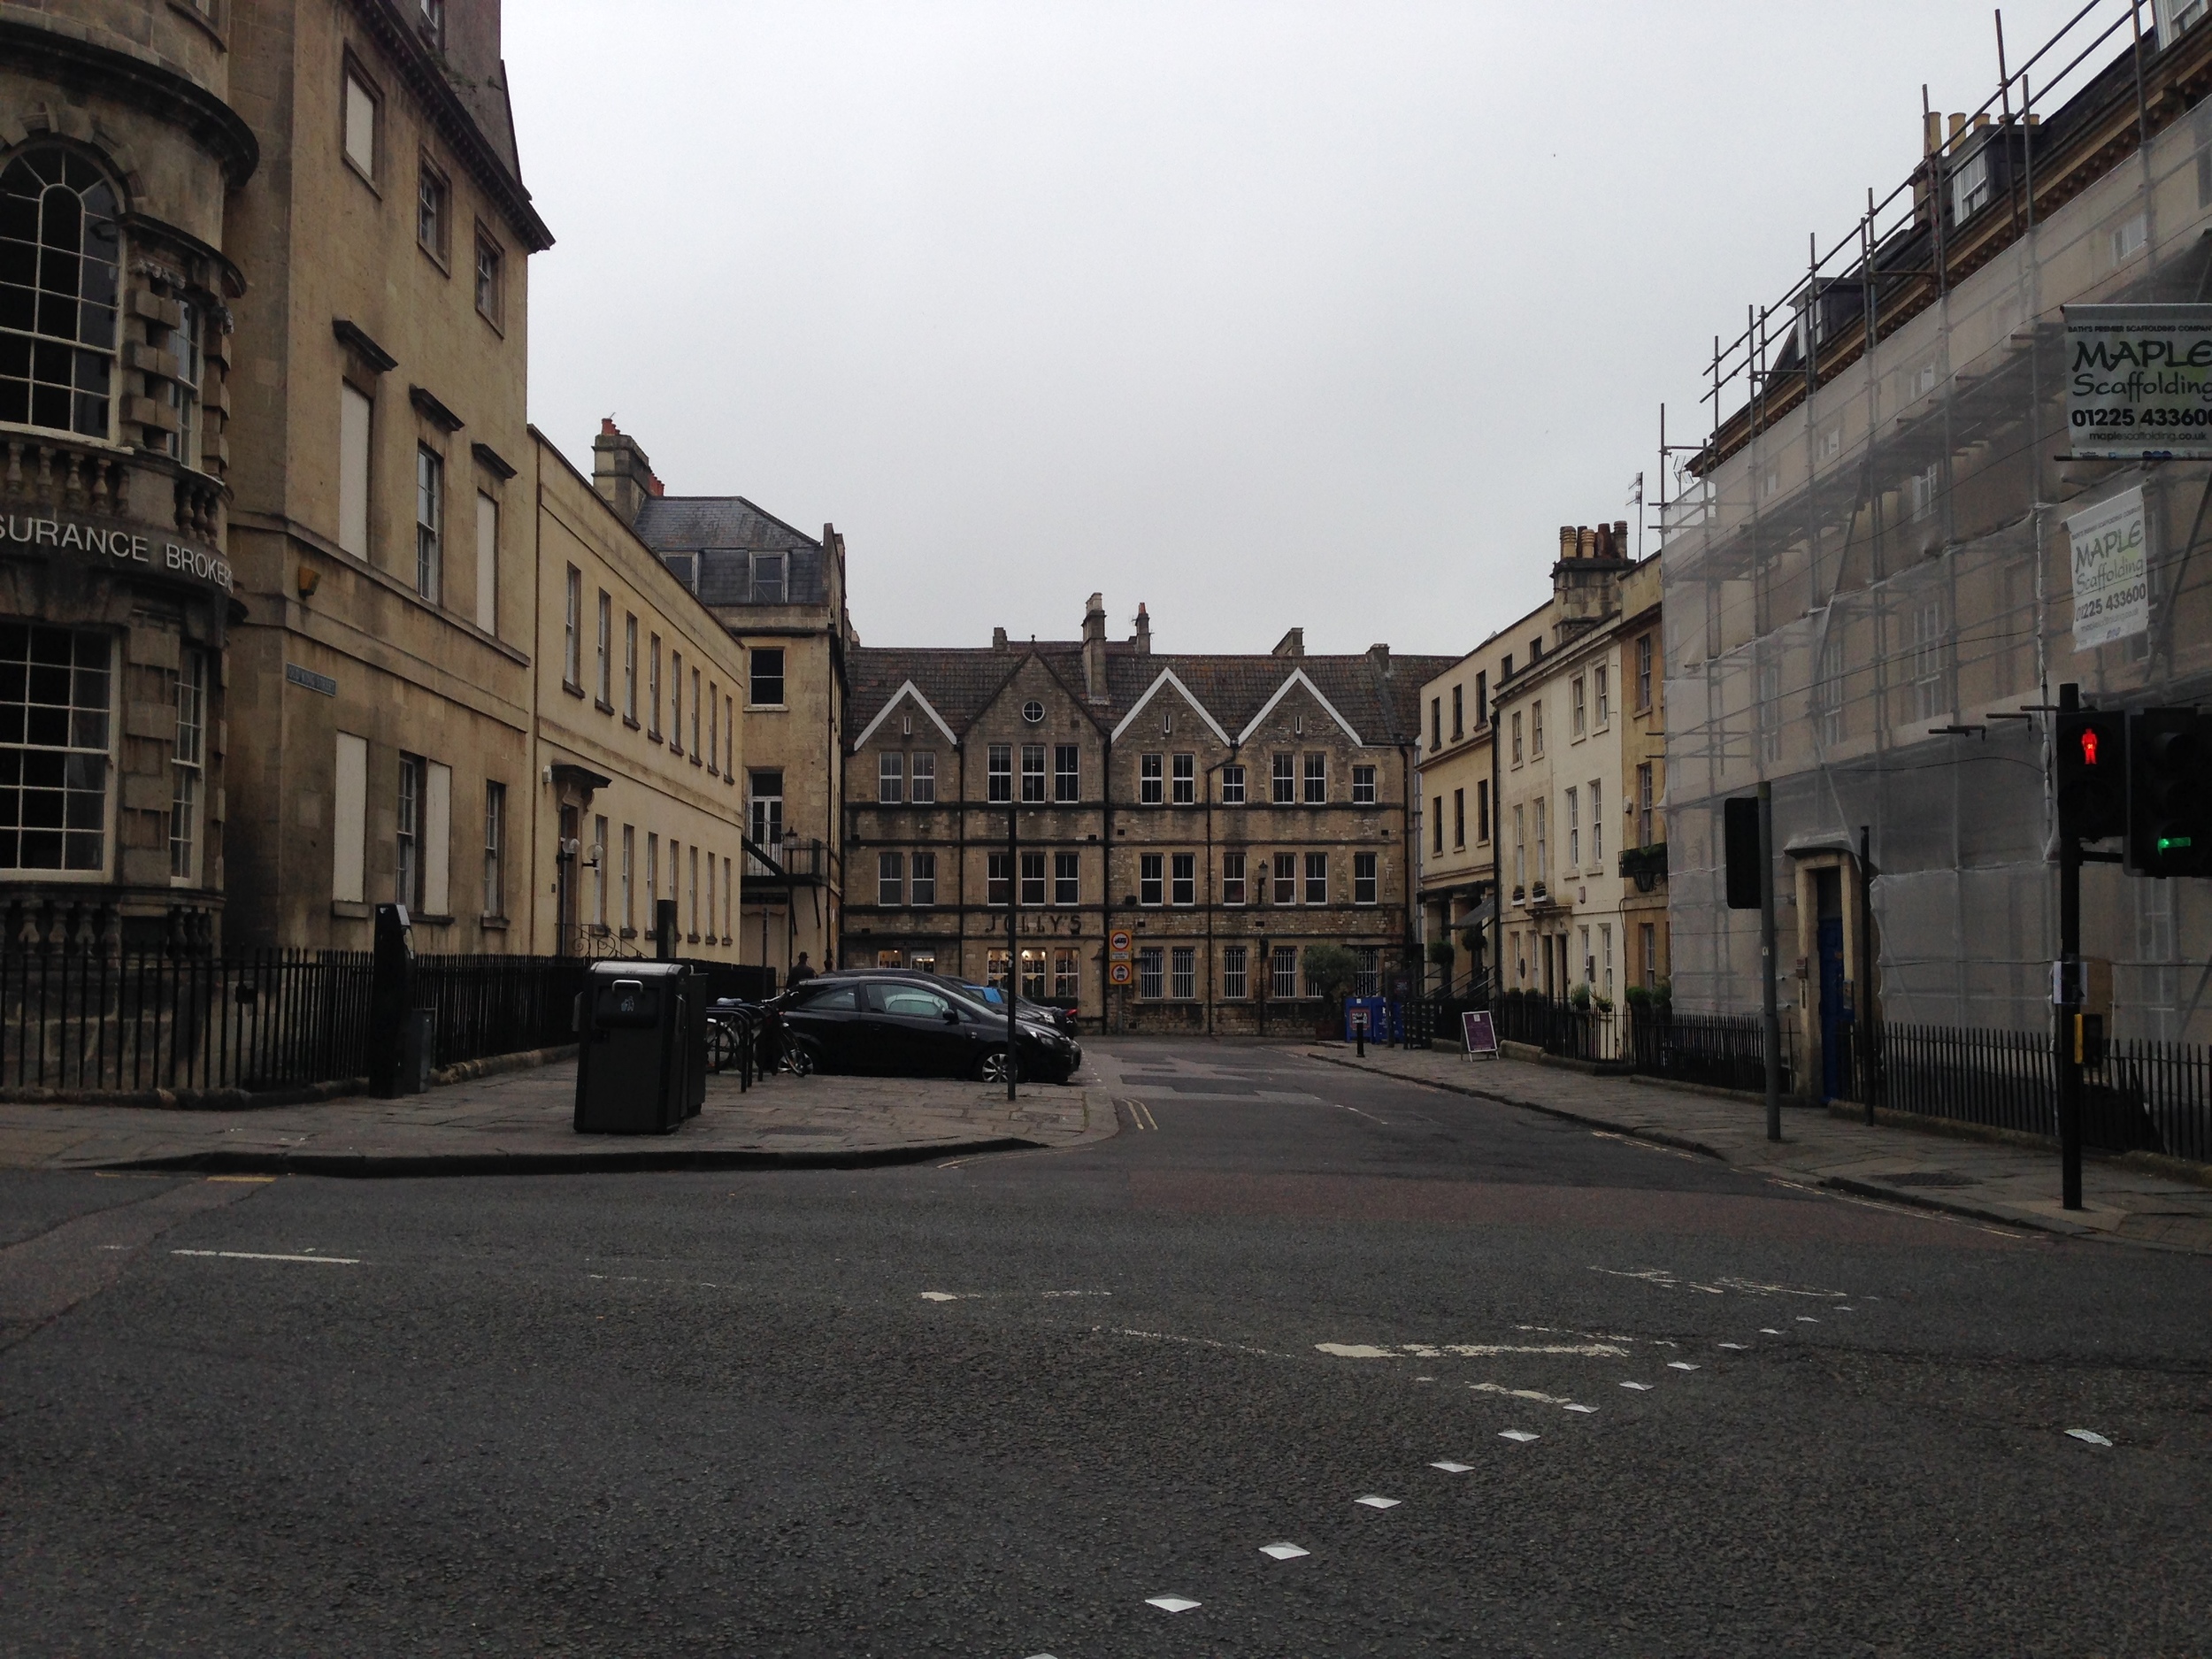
pixel 1457 835
pixel 1564 755
pixel 1143 791
pixel 637 743
pixel 119 153
pixel 379 532
pixel 780 594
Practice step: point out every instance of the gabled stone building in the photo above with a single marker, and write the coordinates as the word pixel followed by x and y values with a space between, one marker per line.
pixel 1227 812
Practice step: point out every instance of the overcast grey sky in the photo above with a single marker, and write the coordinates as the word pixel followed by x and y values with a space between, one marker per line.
pixel 1267 315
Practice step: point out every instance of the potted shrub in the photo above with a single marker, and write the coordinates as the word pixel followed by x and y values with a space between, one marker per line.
pixel 1331 971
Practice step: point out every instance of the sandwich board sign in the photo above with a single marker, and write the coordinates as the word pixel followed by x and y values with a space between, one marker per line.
pixel 1481 1031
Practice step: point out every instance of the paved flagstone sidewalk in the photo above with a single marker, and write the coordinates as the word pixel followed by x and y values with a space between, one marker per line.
pixel 520 1123
pixel 1989 1180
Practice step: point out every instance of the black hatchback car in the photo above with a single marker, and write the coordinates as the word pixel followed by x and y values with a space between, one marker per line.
pixel 893 1026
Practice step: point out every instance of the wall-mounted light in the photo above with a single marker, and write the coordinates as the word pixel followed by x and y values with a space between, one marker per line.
pixel 310 579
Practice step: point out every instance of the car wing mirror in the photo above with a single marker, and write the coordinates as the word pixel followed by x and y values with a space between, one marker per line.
pixel 952 1017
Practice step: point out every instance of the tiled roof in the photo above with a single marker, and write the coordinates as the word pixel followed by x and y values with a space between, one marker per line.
pixel 1383 707
pixel 671 524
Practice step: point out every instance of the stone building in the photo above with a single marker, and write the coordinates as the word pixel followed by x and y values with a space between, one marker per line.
pixel 1641 678
pixel 378 533
pixel 1458 808
pixel 1226 811
pixel 120 156
pixel 1561 814
pixel 636 744
pixel 780 594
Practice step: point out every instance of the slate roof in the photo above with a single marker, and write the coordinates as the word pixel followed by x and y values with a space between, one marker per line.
pixel 677 524
pixel 960 683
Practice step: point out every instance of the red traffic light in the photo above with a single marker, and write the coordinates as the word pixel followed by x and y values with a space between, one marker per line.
pixel 2089 746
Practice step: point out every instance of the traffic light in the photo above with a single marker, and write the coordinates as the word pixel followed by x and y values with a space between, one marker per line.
pixel 1740 845
pixel 2092 774
pixel 2169 808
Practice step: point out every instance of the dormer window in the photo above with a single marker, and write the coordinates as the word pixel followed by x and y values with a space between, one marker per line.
pixel 431 19
pixel 1970 185
pixel 768 578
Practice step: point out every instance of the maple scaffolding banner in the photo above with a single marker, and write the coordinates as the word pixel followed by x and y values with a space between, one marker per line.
pixel 2111 574
pixel 2138 380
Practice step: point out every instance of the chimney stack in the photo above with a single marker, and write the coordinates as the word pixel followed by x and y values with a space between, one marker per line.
pixel 1143 639
pixel 1379 655
pixel 620 473
pixel 1095 649
pixel 998 639
pixel 1292 644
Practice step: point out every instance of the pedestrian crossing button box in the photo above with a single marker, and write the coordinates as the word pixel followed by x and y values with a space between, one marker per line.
pixel 637 1052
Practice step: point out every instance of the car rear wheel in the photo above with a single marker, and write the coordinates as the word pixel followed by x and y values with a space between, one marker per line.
pixel 994 1066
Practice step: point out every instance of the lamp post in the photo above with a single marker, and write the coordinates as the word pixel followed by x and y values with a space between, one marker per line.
pixel 1013 931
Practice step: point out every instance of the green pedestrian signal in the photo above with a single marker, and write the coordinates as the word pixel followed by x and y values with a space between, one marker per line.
pixel 2169 804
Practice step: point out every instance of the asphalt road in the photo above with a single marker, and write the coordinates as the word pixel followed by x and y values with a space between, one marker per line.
pixel 994 1406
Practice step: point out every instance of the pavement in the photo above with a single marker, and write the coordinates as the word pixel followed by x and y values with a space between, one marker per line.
pixel 522 1122
pixel 1989 1180
pixel 1503 1382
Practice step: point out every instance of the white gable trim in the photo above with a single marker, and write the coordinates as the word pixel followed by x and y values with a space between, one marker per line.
pixel 1298 678
pixel 1167 678
pixel 909 689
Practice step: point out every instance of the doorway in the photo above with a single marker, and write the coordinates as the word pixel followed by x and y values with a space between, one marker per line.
pixel 1835 987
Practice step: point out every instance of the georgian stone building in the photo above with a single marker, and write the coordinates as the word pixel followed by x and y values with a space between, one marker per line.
pixel 120 154
pixel 780 594
pixel 1226 811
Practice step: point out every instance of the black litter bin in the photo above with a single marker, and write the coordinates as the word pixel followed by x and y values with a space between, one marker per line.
pixel 642 1052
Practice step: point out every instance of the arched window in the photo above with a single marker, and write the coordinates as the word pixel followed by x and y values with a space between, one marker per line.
pixel 59 249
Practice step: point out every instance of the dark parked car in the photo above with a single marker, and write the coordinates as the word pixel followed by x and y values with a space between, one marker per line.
pixel 895 1025
pixel 1061 1019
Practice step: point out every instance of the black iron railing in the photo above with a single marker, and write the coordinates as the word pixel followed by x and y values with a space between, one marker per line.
pixel 484 1006
pixel 1570 1032
pixel 1716 1050
pixel 2143 1096
pixel 95 1022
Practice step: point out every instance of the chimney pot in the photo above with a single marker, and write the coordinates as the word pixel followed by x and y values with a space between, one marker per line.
pixel 1567 540
pixel 1958 125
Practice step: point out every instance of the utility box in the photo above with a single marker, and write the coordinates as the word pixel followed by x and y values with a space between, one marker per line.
pixel 419 1050
pixel 641 1058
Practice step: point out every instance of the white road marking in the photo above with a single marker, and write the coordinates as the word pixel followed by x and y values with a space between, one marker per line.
pixel 1586 1410
pixel 259 1256
pixel 1284 1552
pixel 1520 1436
pixel 938 1295
pixel 1680 1364
pixel 1197 1341
pixel 1641 1387
pixel 1368 1116
pixel 1171 1603
pixel 1740 1348
pixel 1374 1503
pixel 1451 1468
pixel 2090 1436
pixel 1518 1394
pixel 1806 1318
pixel 1356 1350
pixel 1768 1330
pixel 1471 1350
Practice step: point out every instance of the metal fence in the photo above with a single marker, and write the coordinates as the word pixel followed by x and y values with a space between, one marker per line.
pixel 1717 1050
pixel 93 1023
pixel 130 1024
pixel 1556 1028
pixel 2143 1097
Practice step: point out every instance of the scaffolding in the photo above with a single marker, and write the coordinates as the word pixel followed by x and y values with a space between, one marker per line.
pixel 1867 591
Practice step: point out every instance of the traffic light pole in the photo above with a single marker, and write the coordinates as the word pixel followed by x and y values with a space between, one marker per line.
pixel 1013 943
pixel 2066 995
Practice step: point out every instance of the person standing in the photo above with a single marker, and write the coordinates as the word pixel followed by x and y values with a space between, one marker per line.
pixel 801 971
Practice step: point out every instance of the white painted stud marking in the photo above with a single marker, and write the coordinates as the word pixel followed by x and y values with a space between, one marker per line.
pixel 2090 1436
pixel 1807 1318
pixel 1586 1410
pixel 1449 1467
pixel 1641 1387
pixel 258 1256
pixel 1680 1364
pixel 1374 1503
pixel 1171 1603
pixel 1740 1348
pixel 1522 1436
pixel 1768 1330
pixel 1847 1310
pixel 938 1295
pixel 1284 1552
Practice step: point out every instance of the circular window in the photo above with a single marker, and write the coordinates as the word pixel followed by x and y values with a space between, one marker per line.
pixel 1033 711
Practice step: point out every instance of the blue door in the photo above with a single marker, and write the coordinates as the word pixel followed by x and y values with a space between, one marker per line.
pixel 1835 1011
